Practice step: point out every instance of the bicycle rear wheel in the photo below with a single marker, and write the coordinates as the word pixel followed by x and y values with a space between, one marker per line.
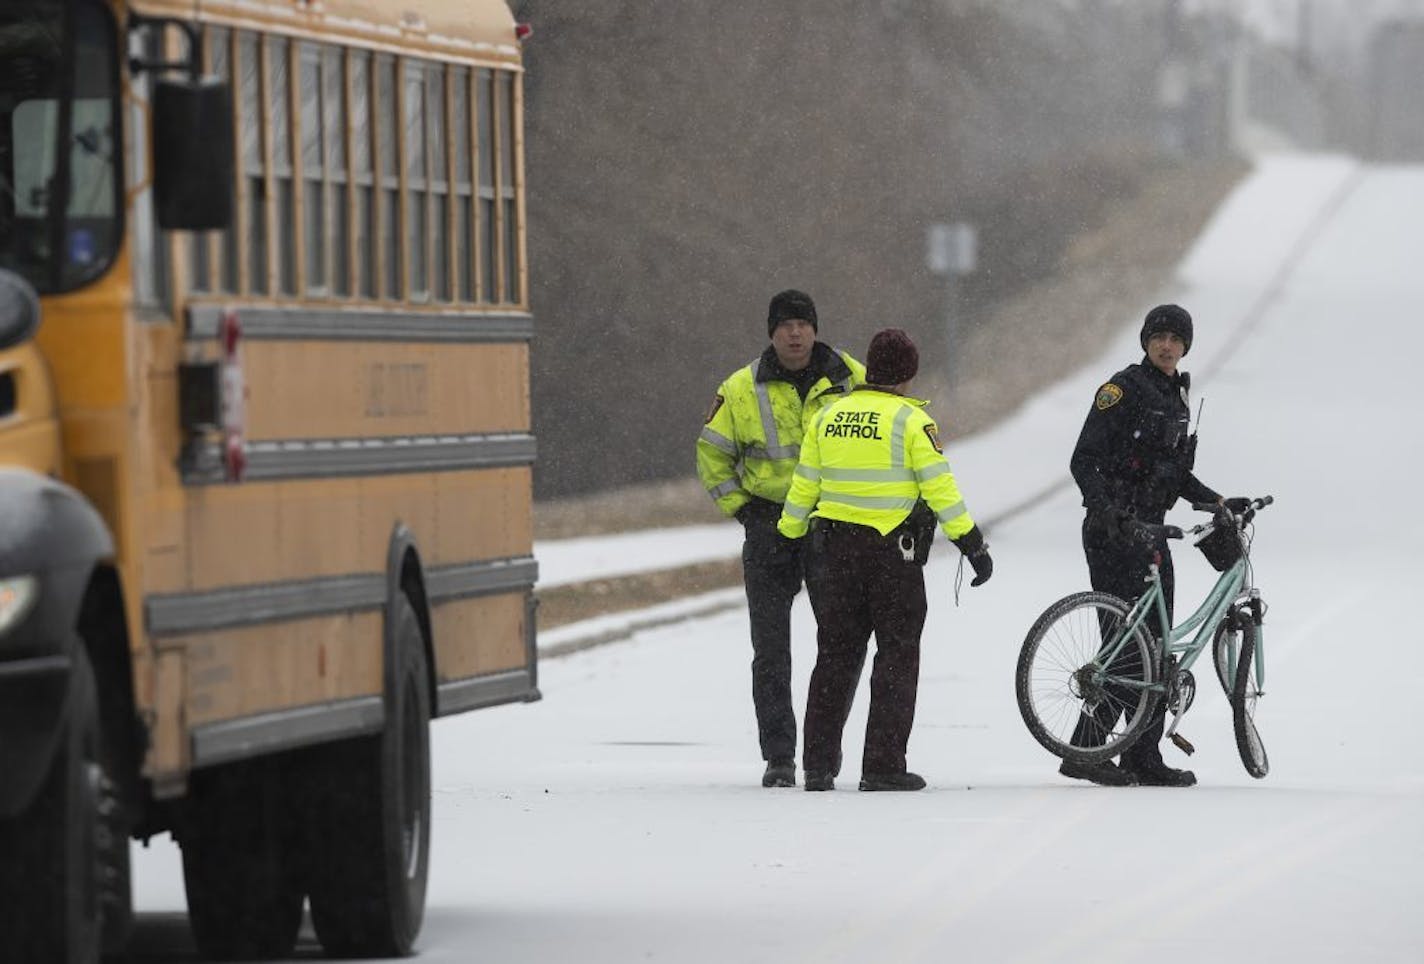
pixel 1244 694
pixel 1077 704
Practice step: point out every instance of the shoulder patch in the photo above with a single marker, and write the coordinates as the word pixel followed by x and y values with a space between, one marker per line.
pixel 1108 396
pixel 712 410
pixel 934 439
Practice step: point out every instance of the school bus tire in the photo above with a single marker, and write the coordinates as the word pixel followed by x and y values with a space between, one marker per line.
pixel 239 869
pixel 371 842
pixel 50 853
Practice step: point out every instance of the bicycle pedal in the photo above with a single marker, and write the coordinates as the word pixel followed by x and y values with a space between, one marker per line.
pixel 1183 744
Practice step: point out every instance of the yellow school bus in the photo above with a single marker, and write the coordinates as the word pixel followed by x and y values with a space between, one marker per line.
pixel 265 453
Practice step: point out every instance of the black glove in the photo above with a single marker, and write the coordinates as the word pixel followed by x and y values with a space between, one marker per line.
pixel 758 510
pixel 977 552
pixel 1238 504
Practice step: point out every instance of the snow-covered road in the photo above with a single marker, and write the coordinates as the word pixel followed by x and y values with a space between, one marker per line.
pixel 620 819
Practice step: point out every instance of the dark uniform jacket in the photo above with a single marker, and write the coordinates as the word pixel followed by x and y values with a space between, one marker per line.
pixel 1135 453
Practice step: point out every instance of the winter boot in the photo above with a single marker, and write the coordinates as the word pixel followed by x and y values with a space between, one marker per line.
pixel 779 773
pixel 820 780
pixel 1105 774
pixel 892 781
pixel 1155 773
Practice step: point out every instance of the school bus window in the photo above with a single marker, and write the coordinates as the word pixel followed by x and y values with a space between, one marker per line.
pixel 505 103
pixel 31 83
pixel 205 248
pixel 253 162
pixel 463 193
pixel 200 262
pixel 362 173
pixel 309 83
pixel 439 175
pixel 333 112
pixel 281 230
pixel 484 93
pixel 416 200
pixel 151 274
pixel 389 224
pixel 219 51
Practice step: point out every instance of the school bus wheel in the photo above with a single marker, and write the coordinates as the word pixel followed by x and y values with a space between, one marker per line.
pixel 370 849
pixel 242 880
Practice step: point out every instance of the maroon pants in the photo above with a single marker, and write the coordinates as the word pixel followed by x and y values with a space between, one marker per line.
pixel 859 583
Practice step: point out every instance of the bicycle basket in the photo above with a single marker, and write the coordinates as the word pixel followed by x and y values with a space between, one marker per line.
pixel 1221 546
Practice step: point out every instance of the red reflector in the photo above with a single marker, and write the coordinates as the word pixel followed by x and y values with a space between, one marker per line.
pixel 523 31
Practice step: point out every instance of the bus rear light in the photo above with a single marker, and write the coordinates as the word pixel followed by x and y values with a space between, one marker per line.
pixel 212 399
pixel 234 392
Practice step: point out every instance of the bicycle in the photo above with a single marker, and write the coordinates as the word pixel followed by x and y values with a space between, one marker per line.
pixel 1091 656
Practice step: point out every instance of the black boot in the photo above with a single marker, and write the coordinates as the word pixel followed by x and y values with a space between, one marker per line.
pixel 892 781
pixel 1155 773
pixel 820 780
pixel 779 773
pixel 1105 774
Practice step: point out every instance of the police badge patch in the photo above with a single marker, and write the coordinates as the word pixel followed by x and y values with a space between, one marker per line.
pixel 934 440
pixel 712 411
pixel 1108 396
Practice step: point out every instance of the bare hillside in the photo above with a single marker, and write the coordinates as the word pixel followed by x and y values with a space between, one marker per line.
pixel 688 159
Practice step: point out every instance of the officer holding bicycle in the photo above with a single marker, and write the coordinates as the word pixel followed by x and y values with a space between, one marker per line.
pixel 1133 461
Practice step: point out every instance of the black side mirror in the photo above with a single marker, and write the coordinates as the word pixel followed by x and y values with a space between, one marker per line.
pixel 19 310
pixel 192 154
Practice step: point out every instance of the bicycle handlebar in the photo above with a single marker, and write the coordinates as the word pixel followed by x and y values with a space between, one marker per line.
pixel 1256 504
pixel 1240 520
pixel 1177 532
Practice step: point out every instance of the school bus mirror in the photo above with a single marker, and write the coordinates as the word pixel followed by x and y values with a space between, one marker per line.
pixel 192 154
pixel 19 310
pixel 200 396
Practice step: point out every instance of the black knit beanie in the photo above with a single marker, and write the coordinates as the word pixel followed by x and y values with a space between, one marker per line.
pixel 892 358
pixel 790 304
pixel 1173 318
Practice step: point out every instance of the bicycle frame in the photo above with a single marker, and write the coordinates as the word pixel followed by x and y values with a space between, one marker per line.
pixel 1230 590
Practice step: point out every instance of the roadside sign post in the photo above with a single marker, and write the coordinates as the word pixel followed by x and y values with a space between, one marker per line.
pixel 951 251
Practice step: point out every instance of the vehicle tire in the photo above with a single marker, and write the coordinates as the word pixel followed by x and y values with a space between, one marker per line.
pixel 370 842
pixel 244 892
pixel 49 855
pixel 1058 677
pixel 1244 694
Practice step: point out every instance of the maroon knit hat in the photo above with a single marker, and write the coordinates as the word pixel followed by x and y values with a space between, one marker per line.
pixel 892 358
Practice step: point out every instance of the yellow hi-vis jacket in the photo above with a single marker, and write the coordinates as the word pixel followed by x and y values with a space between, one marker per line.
pixel 866 459
pixel 752 436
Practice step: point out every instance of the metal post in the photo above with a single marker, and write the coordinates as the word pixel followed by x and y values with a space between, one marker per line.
pixel 951 254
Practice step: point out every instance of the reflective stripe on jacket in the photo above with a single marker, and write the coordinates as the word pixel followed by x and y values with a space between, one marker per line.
pixel 752 439
pixel 867 459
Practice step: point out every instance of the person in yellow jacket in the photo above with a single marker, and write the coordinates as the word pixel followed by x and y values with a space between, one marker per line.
pixel 746 454
pixel 871 484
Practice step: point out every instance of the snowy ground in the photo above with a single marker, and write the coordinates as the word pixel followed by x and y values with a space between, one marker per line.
pixel 621 818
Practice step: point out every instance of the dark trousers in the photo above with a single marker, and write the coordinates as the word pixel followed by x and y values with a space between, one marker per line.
pixel 859 583
pixel 771 568
pixel 1119 566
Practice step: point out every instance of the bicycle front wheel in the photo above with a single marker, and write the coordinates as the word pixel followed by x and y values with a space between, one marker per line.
pixel 1226 649
pixel 1244 694
pixel 1084 685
